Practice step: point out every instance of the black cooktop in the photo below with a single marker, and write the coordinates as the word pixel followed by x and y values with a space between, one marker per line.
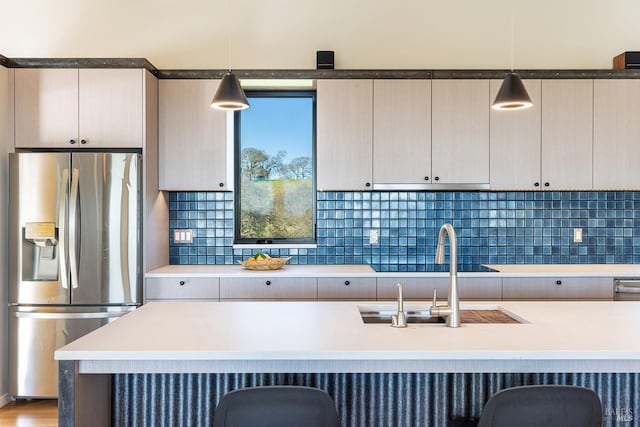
pixel 430 268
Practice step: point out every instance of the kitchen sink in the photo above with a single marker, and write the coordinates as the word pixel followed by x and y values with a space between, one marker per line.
pixel 473 313
pixel 384 316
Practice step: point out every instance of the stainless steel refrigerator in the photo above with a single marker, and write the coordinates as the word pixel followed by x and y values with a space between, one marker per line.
pixel 74 255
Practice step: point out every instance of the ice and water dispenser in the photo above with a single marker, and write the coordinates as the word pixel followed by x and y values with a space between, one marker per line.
pixel 40 251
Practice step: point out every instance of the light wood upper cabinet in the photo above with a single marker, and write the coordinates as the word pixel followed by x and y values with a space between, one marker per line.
pixel 344 134
pixel 402 132
pixel 547 146
pixel 46 107
pixel 460 131
pixel 616 134
pixel 86 108
pixel 193 137
pixel 111 108
pixel 567 138
pixel 515 142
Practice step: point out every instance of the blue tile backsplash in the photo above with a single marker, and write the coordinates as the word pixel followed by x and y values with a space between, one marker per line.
pixel 492 227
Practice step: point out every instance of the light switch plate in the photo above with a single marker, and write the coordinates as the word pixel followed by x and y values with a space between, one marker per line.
pixel 373 237
pixel 577 235
pixel 183 235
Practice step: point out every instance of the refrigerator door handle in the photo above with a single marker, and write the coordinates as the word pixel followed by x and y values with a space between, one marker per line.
pixel 62 229
pixel 73 228
pixel 90 315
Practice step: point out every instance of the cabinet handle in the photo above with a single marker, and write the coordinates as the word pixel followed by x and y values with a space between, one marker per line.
pixel 426 178
pixel 83 141
pixel 72 141
pixel 268 282
pixel 368 184
pixel 437 178
pixel 347 283
pixel 221 184
pixel 181 282
pixel 558 282
pixel 546 184
pixel 537 184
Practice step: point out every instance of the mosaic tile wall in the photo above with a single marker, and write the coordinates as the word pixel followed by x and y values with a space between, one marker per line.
pixel 492 227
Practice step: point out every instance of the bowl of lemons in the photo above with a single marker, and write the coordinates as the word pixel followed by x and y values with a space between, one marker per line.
pixel 262 261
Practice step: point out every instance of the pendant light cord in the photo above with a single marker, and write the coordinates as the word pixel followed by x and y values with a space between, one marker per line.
pixel 229 34
pixel 513 30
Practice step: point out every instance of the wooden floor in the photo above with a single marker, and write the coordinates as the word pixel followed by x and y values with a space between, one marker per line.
pixel 30 413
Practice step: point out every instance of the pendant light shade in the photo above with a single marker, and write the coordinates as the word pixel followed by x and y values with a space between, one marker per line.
pixel 230 95
pixel 512 94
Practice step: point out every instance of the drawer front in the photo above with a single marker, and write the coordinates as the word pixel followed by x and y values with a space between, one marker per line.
pixel 269 288
pixel 413 288
pixel 562 288
pixel 480 288
pixel 182 288
pixel 336 288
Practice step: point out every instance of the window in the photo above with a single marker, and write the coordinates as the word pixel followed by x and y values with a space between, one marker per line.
pixel 275 195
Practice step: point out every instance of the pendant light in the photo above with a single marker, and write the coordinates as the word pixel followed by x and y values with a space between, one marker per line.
pixel 512 94
pixel 229 95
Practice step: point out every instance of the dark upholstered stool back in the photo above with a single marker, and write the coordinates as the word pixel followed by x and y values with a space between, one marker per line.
pixel 543 405
pixel 276 406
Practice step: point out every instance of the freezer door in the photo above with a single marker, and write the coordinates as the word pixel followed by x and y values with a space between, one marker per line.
pixel 39 187
pixel 104 228
pixel 35 334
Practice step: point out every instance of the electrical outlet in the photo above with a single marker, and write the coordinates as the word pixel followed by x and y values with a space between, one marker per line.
pixel 373 237
pixel 577 235
pixel 183 236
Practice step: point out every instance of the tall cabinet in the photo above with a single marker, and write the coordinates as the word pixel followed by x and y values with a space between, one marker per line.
pixel 100 109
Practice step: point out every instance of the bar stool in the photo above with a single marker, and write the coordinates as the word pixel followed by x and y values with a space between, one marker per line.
pixel 276 406
pixel 543 405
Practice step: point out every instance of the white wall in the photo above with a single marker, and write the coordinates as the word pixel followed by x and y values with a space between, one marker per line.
pixel 364 33
pixel 4 190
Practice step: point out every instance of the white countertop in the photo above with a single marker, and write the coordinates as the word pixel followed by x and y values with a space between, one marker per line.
pixel 364 270
pixel 585 270
pixel 331 337
pixel 315 270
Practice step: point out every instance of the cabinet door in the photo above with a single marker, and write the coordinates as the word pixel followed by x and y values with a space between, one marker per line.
pixel 480 288
pixel 567 134
pixel 111 108
pixel 269 288
pixel 515 142
pixel 46 108
pixel 193 137
pixel 460 131
pixel 344 134
pixel 182 288
pixel 401 132
pixel 336 288
pixel 616 134
pixel 565 288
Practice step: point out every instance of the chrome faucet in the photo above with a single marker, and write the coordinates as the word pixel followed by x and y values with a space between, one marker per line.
pixel 452 310
pixel 399 320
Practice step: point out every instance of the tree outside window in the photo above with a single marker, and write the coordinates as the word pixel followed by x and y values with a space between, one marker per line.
pixel 275 187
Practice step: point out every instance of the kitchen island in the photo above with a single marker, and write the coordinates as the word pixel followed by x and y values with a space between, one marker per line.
pixel 196 351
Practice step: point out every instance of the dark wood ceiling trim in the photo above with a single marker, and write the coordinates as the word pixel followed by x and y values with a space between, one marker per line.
pixel 311 73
